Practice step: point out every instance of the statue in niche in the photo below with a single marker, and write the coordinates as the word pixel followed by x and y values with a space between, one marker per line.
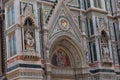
pixel 29 40
pixel 105 52
pixel 60 59
pixel 104 41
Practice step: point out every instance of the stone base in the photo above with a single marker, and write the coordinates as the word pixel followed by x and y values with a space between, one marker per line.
pixel 25 74
pixel 28 79
pixel 103 76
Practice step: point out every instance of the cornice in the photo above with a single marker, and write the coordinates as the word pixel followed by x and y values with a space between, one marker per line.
pixel 114 17
pixel 118 16
pixel 96 10
pixel 46 2
pixel 111 17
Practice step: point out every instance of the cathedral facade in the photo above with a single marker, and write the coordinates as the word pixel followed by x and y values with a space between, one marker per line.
pixel 62 39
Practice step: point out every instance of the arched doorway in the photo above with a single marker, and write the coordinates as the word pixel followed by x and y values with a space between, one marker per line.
pixel 66 59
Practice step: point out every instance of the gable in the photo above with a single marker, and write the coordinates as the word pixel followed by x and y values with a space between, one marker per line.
pixel 63 23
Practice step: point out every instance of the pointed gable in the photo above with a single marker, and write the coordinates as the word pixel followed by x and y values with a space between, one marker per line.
pixel 62 21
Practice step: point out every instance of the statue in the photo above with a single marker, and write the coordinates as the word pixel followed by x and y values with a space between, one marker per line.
pixel 106 53
pixel 29 40
pixel 105 50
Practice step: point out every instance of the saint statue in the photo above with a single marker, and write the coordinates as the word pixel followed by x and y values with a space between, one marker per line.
pixel 29 40
pixel 105 50
pixel 106 53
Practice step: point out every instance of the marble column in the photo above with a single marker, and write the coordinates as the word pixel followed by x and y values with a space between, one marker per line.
pixel 103 4
pixel 17 11
pixel 18 39
pixel 96 38
pixel 92 3
pixel 110 49
pixel 37 44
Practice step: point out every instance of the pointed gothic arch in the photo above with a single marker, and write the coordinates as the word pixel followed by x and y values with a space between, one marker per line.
pixel 67 45
pixel 75 56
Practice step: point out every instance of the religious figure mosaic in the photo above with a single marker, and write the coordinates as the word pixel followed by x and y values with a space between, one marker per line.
pixel 60 58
